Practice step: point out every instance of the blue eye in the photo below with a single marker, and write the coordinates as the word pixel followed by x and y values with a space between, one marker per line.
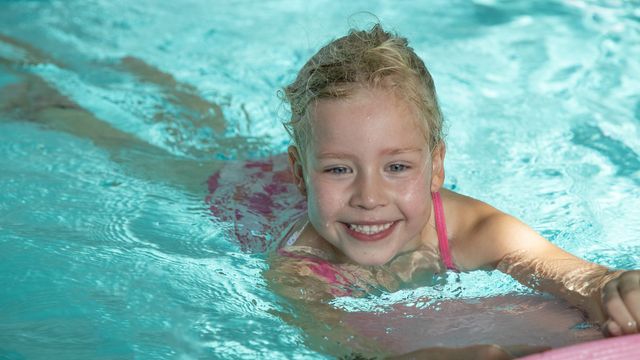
pixel 338 170
pixel 398 167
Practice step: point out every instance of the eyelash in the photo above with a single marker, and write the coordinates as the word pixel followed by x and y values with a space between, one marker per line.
pixel 341 170
pixel 335 170
pixel 404 167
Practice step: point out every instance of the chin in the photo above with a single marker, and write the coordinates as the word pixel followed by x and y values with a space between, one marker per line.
pixel 376 261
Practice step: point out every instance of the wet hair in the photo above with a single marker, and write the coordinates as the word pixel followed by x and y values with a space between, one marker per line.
pixel 363 58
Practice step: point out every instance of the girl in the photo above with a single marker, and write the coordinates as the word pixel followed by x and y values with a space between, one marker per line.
pixel 368 156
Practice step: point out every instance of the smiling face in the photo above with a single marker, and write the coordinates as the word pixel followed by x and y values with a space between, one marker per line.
pixel 368 175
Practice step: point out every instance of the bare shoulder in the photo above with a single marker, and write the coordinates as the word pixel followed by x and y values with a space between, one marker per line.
pixel 463 215
pixel 463 212
pixel 482 235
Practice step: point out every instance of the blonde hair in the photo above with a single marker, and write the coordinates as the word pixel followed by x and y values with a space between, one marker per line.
pixel 373 58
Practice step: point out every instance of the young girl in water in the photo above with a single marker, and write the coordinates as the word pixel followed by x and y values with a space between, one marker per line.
pixel 368 155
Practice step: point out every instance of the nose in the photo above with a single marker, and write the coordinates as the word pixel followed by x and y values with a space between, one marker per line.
pixel 368 192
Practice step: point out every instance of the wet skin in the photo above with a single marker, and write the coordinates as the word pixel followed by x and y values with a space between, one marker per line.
pixel 368 175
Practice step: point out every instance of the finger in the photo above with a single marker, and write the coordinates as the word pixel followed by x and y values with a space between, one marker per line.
pixel 617 310
pixel 629 287
pixel 611 328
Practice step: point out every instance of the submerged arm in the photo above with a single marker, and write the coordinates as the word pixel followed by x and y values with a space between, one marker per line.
pixel 328 329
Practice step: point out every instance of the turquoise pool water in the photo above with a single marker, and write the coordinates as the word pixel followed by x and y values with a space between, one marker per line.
pixel 113 116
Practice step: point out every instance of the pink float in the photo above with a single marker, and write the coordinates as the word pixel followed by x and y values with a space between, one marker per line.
pixel 623 347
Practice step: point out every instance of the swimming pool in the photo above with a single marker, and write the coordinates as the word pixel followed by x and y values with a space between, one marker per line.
pixel 113 116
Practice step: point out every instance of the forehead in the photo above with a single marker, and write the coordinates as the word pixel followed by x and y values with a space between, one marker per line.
pixel 365 116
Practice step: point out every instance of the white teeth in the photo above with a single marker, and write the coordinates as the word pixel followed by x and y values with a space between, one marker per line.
pixel 370 229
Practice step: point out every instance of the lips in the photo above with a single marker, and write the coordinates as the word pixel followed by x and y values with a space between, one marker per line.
pixel 370 232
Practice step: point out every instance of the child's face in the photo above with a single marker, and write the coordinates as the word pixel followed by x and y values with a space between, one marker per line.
pixel 368 175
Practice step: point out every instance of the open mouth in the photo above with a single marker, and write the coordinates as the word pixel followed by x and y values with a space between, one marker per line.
pixel 370 232
pixel 370 229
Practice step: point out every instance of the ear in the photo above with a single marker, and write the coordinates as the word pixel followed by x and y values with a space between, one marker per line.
pixel 437 167
pixel 297 169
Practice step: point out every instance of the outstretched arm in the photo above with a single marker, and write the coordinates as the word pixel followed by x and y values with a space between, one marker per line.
pixel 609 297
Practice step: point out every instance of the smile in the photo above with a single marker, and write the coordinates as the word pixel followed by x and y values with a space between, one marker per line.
pixel 370 229
pixel 370 233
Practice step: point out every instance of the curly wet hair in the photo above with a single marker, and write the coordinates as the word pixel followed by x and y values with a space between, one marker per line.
pixel 363 58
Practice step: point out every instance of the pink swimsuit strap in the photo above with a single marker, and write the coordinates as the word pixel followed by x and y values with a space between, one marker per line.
pixel 441 229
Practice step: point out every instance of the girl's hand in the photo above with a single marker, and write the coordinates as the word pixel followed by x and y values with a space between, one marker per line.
pixel 621 304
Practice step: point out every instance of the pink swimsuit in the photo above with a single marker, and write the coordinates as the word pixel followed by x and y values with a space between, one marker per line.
pixel 326 270
pixel 441 229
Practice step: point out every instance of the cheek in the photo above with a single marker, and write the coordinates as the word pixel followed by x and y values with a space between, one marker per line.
pixel 416 187
pixel 416 196
pixel 325 198
pixel 417 201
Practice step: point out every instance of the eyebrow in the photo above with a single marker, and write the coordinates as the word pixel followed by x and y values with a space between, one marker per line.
pixel 333 155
